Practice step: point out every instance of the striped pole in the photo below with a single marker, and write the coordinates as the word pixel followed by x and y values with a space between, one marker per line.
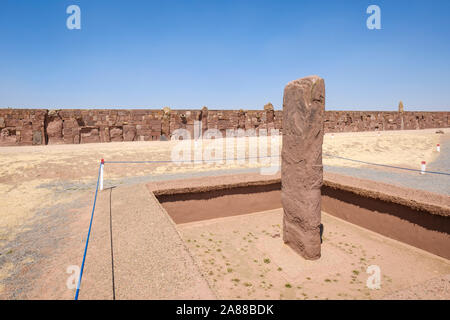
pixel 438 147
pixel 101 174
pixel 423 167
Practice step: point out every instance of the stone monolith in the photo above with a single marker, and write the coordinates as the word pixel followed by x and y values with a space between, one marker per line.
pixel 301 170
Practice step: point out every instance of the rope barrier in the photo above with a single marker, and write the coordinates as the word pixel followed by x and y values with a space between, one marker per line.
pixel 100 177
pixel 191 161
pixel 247 158
pixel 385 165
pixel 89 233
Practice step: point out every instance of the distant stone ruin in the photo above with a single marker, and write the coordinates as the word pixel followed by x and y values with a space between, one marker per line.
pixel 73 126
pixel 301 168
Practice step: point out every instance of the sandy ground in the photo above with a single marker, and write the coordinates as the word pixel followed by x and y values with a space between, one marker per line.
pixel 400 148
pixel 244 257
pixel 44 187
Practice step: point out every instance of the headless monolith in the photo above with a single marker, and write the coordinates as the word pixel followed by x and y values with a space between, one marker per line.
pixel 301 170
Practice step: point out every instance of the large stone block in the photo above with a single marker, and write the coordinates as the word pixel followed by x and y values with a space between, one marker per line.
pixel 302 171
pixel 129 133
pixel 90 135
pixel 8 137
pixel 115 134
pixel 37 138
pixel 54 128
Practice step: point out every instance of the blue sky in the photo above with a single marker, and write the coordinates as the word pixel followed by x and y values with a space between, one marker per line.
pixel 225 54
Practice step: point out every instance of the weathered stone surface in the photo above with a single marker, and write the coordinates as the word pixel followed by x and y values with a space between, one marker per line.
pixel 270 113
pixel 129 133
pixel 90 135
pixel 64 126
pixel 301 170
pixel 8 137
pixel 54 128
pixel 37 138
pixel 115 134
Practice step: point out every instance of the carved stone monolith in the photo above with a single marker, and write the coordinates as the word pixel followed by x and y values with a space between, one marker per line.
pixel 301 170
pixel 400 107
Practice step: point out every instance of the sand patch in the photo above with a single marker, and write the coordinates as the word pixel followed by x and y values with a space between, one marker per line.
pixel 244 257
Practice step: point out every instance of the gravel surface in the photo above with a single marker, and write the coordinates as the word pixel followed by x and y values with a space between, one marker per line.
pixel 429 182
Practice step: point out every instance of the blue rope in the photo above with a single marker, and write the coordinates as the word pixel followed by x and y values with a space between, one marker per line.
pixel 89 233
pixel 190 161
pixel 385 165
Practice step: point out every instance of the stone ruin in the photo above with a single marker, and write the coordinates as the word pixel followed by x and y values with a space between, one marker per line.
pixel 301 168
pixel 73 126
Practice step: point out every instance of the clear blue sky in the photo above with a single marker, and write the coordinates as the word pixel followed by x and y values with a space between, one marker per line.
pixel 225 54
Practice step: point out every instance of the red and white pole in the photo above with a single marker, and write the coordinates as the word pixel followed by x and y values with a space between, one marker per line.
pixel 101 174
pixel 423 167
pixel 438 147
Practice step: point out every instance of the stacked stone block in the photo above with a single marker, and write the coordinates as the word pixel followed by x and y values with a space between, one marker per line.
pixel 73 126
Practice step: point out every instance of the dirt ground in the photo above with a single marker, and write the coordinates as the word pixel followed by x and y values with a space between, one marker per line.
pixel 244 257
pixel 46 192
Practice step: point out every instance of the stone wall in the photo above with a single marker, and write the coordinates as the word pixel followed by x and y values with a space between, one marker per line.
pixel 41 126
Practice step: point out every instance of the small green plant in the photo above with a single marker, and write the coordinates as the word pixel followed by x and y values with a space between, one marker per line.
pixel 356 272
pixel 266 260
pixel 288 285
pixel 279 269
pixel 229 270
pixel 327 280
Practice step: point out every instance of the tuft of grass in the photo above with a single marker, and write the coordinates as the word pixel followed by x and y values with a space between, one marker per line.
pixel 235 280
pixel 327 280
pixel 288 285
pixel 266 260
pixel 356 272
pixel 247 284
pixel 229 270
pixel 279 269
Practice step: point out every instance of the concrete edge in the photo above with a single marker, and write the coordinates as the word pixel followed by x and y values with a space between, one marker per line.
pixel 414 198
pixel 167 216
